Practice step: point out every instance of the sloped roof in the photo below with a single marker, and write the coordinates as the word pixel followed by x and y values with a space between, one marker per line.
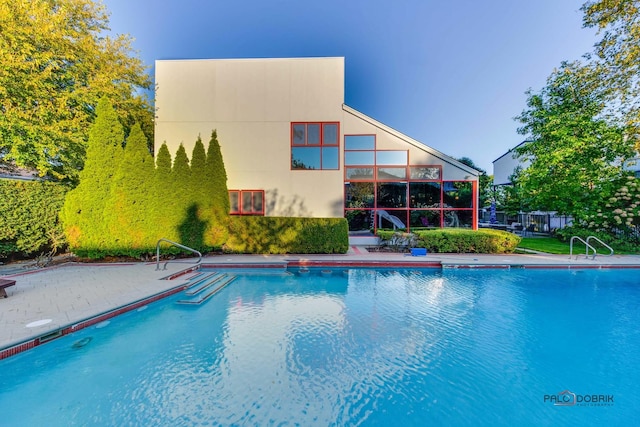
pixel 409 140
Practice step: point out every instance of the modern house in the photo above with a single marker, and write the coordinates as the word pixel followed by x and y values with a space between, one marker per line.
pixel 291 146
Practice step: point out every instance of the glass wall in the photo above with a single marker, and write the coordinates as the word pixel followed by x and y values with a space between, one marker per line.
pixel 383 190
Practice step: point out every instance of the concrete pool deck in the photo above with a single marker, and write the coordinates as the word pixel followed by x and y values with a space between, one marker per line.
pixel 46 300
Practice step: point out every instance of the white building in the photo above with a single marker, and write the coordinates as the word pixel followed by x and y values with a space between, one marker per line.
pixel 291 147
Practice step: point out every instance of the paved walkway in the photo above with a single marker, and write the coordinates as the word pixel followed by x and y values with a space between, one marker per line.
pixel 48 299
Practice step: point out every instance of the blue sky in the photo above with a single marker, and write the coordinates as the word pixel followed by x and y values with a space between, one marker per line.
pixel 451 74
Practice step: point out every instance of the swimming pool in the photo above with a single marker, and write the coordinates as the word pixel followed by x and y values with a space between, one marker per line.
pixel 361 347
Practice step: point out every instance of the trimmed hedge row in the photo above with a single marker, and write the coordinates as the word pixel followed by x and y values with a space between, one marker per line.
pixel 457 240
pixel 29 217
pixel 282 235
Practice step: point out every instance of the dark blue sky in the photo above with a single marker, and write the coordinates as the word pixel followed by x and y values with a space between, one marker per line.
pixel 451 74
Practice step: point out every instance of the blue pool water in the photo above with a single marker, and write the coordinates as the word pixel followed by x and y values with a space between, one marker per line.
pixel 430 347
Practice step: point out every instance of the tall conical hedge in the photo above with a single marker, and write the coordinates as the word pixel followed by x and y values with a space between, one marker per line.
pixel 127 209
pixel 123 205
pixel 200 192
pixel 162 197
pixel 83 211
pixel 215 181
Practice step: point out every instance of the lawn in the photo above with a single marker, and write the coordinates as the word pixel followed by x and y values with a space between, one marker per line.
pixel 552 245
pixel 549 245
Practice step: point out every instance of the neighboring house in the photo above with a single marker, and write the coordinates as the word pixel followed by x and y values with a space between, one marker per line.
pixel 292 148
pixel 505 165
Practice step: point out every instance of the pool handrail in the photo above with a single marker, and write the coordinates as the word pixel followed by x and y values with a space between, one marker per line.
pixel 179 246
pixel 602 243
pixel 587 246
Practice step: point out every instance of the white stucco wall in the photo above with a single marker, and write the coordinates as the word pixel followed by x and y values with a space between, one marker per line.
pixel 505 165
pixel 251 103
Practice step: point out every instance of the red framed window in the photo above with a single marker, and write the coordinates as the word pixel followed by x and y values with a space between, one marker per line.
pixel 315 145
pixel 246 202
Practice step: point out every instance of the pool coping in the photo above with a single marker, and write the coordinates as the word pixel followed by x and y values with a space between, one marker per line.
pixel 290 262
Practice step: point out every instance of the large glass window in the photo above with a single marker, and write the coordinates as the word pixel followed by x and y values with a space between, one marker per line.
pixel 458 194
pixel 359 195
pixel 392 174
pixel 359 174
pixel 424 194
pixel 458 218
pixel 382 190
pixel 425 172
pixel 314 146
pixel 391 219
pixel 422 219
pixel 306 158
pixel 359 142
pixel 392 158
pixel 392 194
pixel 353 158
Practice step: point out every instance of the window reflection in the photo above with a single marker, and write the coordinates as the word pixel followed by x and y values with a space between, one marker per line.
pixel 391 158
pixel 358 157
pixel 458 194
pixel 424 194
pixel 359 142
pixel 392 194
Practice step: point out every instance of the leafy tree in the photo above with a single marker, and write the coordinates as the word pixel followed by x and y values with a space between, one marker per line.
pixel 616 65
pixel 575 151
pixel 56 62
pixel 127 209
pixel 83 212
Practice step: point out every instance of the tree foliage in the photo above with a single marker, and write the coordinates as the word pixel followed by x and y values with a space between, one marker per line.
pixel 615 67
pixel 56 62
pixel 29 217
pixel 126 214
pixel 576 152
pixel 215 179
pixel 83 212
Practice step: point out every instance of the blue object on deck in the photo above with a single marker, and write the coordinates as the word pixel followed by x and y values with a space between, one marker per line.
pixel 418 251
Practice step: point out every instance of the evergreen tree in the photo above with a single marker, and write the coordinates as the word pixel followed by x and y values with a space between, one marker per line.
pixel 162 200
pixel 127 212
pixel 181 193
pixel 215 182
pixel 198 169
pixel 83 212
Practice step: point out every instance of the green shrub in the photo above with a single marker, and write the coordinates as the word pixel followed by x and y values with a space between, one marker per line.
pixel 457 240
pixel 29 217
pixel 282 235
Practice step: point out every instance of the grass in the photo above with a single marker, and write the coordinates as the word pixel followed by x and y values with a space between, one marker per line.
pixel 551 245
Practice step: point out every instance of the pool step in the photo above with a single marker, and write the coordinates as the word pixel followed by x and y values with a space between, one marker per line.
pixel 204 283
pixel 211 289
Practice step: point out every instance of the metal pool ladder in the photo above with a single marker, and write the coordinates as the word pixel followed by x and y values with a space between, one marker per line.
pixel 177 245
pixel 589 246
